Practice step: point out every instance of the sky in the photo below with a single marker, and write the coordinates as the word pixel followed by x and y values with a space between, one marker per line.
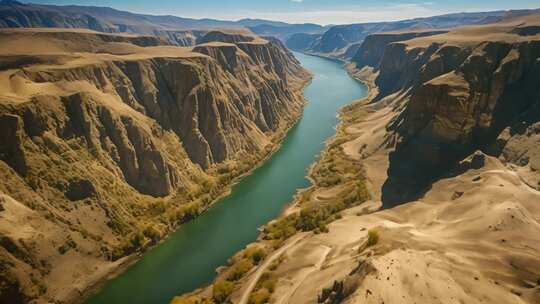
pixel 302 11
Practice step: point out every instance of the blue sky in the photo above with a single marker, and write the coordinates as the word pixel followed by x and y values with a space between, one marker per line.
pixel 298 11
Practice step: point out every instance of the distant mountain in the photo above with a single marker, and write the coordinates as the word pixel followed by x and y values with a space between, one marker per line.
pixel 285 31
pixel 247 22
pixel 336 40
pixel 105 19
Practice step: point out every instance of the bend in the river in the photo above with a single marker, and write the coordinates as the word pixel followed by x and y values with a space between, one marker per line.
pixel 188 258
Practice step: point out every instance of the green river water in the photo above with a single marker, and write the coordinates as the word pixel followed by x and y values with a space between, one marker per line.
pixel 188 258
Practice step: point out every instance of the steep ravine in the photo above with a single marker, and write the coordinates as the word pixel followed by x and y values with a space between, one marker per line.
pixel 105 153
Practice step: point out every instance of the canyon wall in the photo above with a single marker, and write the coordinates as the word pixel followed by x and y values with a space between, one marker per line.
pixel 468 89
pixel 109 142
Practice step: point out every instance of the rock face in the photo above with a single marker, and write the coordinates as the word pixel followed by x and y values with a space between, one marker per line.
pixel 11 149
pixel 107 139
pixel 371 51
pixel 180 37
pixel 461 90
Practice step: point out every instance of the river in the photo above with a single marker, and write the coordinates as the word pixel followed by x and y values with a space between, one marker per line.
pixel 188 258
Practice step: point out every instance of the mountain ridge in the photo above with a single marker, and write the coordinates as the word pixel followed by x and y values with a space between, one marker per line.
pixel 107 19
pixel 337 39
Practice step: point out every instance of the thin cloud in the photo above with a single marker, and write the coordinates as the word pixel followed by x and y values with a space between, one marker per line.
pixel 355 15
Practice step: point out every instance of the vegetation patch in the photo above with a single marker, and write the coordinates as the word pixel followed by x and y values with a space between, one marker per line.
pixel 315 216
pixel 222 290
pixel 373 237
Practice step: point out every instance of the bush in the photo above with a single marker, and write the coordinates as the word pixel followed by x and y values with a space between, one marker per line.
pixel 152 233
pixel 261 296
pixel 373 237
pixel 268 282
pixel 281 229
pixel 256 255
pixel 239 269
pixel 222 290
pixel 312 218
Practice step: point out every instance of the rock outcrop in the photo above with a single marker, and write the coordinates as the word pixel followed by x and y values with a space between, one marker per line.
pixel 371 51
pixel 109 142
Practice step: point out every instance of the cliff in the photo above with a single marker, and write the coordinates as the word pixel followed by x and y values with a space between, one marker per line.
pixel 371 51
pixel 463 89
pixel 109 142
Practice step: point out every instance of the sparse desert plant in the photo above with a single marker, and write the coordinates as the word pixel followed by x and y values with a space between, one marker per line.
pixel 189 299
pixel 222 290
pixel 373 237
pixel 152 233
pixel 268 283
pixel 260 296
pixel 239 269
pixel 256 254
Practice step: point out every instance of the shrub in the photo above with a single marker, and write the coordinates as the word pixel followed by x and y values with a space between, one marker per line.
pixel 260 296
pixel 373 237
pixel 312 218
pixel 239 269
pixel 268 282
pixel 256 255
pixel 222 290
pixel 152 233
pixel 69 244
pixel 281 229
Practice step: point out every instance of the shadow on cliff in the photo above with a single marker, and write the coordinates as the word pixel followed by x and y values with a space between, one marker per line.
pixel 416 165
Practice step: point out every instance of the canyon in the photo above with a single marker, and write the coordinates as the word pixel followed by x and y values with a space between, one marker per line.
pixel 140 155
pixel 441 157
pixel 110 141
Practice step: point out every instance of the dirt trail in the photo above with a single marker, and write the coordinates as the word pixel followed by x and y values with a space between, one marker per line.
pixel 252 281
